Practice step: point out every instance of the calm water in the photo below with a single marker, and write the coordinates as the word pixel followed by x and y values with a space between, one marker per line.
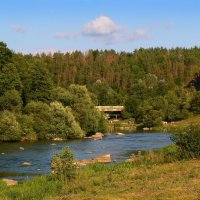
pixel 40 153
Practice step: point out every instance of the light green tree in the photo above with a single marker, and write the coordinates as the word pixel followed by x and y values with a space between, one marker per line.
pixel 10 129
pixel 63 123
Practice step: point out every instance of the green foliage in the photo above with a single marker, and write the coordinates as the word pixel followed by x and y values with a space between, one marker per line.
pixel 195 103
pixel 188 142
pixel 149 82
pixel 52 121
pixel 11 100
pixel 63 123
pixel 178 105
pixel 132 106
pixel 27 127
pixel 63 165
pixel 150 116
pixel 62 95
pixel 106 95
pixel 9 79
pixel 10 129
pixel 103 124
pixel 41 118
pixel 84 110
pixel 41 86
pixel 5 54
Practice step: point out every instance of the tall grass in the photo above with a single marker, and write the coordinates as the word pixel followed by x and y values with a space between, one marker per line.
pixel 40 187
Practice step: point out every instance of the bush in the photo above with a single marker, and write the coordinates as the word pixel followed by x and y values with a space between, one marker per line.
pixel 27 123
pixel 188 142
pixel 63 123
pixel 10 129
pixel 63 165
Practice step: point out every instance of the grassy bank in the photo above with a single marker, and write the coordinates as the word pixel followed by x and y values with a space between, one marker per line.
pixel 179 180
pixel 155 175
pixel 193 120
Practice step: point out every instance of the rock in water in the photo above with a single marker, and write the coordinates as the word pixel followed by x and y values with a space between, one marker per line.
pixel 99 159
pixel 120 134
pixel 26 164
pixel 57 139
pixel 97 136
pixel 21 148
pixel 10 182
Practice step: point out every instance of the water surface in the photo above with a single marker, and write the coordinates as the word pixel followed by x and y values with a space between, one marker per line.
pixel 40 153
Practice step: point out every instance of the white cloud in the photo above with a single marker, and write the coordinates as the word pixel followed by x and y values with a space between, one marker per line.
pixel 105 30
pixel 100 27
pixel 64 35
pixel 19 28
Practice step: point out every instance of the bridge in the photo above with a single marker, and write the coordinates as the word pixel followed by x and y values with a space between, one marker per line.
pixel 111 111
pixel 110 108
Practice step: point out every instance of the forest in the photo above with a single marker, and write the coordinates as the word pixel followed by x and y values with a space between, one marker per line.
pixel 45 96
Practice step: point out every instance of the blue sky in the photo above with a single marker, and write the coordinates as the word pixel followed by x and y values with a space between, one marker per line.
pixel 124 25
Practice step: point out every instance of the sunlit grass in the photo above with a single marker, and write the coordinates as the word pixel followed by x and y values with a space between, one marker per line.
pixel 40 187
pixel 179 180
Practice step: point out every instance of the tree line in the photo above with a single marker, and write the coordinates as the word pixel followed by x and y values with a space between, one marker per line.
pixel 49 95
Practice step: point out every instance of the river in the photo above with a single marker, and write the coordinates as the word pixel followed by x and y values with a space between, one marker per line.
pixel 40 153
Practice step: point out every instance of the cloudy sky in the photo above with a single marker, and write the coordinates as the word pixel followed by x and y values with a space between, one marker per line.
pixel 124 25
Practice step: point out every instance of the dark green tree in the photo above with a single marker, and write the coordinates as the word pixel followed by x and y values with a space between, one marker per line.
pixel 9 79
pixel 41 116
pixel 5 55
pixel 62 95
pixel 41 86
pixel 195 103
pixel 84 110
pixel 11 100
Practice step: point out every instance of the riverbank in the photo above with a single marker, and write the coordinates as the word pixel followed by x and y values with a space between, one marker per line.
pixel 129 126
pixel 150 177
pixel 178 126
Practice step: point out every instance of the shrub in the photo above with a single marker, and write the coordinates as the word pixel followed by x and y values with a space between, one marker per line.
pixel 63 123
pixel 188 142
pixel 10 129
pixel 27 123
pixel 63 165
